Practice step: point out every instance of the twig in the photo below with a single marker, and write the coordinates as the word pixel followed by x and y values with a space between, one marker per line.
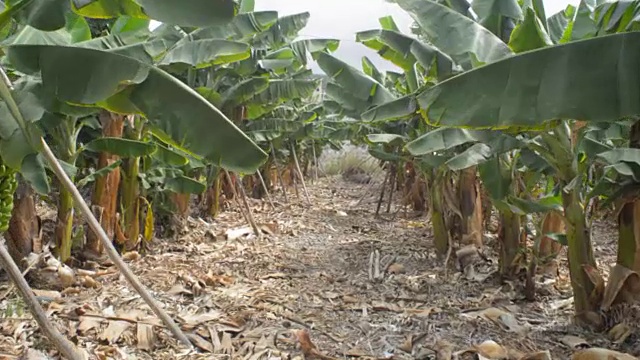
pixel 64 346
pixel 304 186
pixel 249 215
pixel 376 265
pixel 315 160
pixel 266 190
pixel 384 185
pixel 278 175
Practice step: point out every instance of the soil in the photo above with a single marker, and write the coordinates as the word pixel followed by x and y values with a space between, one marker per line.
pixel 314 269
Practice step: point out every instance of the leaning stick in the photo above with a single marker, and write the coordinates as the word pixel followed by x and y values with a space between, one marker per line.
pixel 64 346
pixel 93 222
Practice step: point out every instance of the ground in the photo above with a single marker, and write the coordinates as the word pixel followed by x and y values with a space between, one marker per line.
pixel 247 298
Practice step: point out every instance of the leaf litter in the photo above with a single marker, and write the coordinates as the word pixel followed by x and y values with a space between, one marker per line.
pixel 328 281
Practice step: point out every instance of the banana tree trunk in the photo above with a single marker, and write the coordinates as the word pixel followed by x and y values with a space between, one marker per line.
pixel 470 206
pixel 64 225
pixel 580 250
pixel 131 202
pixel 440 232
pixel 552 223
pixel 510 243
pixel 629 220
pixel 24 226
pixel 105 194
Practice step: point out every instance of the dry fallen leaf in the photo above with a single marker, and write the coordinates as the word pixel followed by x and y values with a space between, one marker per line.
pixel 443 349
pixel 114 330
pixel 146 337
pixel 131 256
pixel 574 342
pixel 491 350
pixel 601 354
pixel 309 349
pixel 396 268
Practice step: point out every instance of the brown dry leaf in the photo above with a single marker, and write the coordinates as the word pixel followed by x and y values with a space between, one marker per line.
pixel 540 355
pixel 574 342
pixel 601 354
pixel 499 317
pixel 66 276
pixel 114 330
pixel 212 280
pixel 193 320
pixel 55 295
pixel 491 350
pixel 356 352
pixel 146 337
pixel 269 228
pixel 179 289
pixel 443 349
pixel 350 299
pixel 384 306
pixel 226 344
pixel 87 323
pixel 309 349
pixel 619 333
pixel 423 312
pixel 31 354
pixel 278 275
pixel 622 287
pixel 200 342
pixel 407 344
pixel 131 256
pixel 89 282
pixel 396 268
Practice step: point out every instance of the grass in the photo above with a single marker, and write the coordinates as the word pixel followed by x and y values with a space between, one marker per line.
pixel 334 162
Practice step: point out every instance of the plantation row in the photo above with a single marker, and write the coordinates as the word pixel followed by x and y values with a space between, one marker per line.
pixel 495 108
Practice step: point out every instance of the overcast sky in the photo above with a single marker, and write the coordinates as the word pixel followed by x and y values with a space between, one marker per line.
pixel 341 19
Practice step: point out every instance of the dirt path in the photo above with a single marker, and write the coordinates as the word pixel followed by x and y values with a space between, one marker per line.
pixel 244 298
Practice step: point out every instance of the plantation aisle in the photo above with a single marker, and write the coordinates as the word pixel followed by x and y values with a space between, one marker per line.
pixel 248 298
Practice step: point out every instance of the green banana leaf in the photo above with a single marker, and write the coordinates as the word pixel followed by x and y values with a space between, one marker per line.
pixel 535 87
pixel 122 147
pixel 464 40
pixel 206 52
pixel 493 14
pixel 355 82
pixel 172 107
pixel 189 13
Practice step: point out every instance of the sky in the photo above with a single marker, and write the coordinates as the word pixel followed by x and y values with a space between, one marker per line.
pixel 341 19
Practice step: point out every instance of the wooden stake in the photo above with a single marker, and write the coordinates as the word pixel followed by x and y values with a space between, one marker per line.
pixel 97 228
pixel 315 160
pixel 384 185
pixel 304 186
pixel 278 175
pixel 108 246
pixel 249 214
pixel 64 346
pixel 266 191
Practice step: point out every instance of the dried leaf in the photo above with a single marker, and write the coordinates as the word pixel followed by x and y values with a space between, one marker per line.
pixel 146 337
pixel 443 349
pixel 491 350
pixel 540 355
pixel 114 330
pixel 574 342
pixel 601 354
pixel 179 289
pixel 396 268
pixel 131 256
pixel 309 349
pixel 200 342
pixel 87 323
